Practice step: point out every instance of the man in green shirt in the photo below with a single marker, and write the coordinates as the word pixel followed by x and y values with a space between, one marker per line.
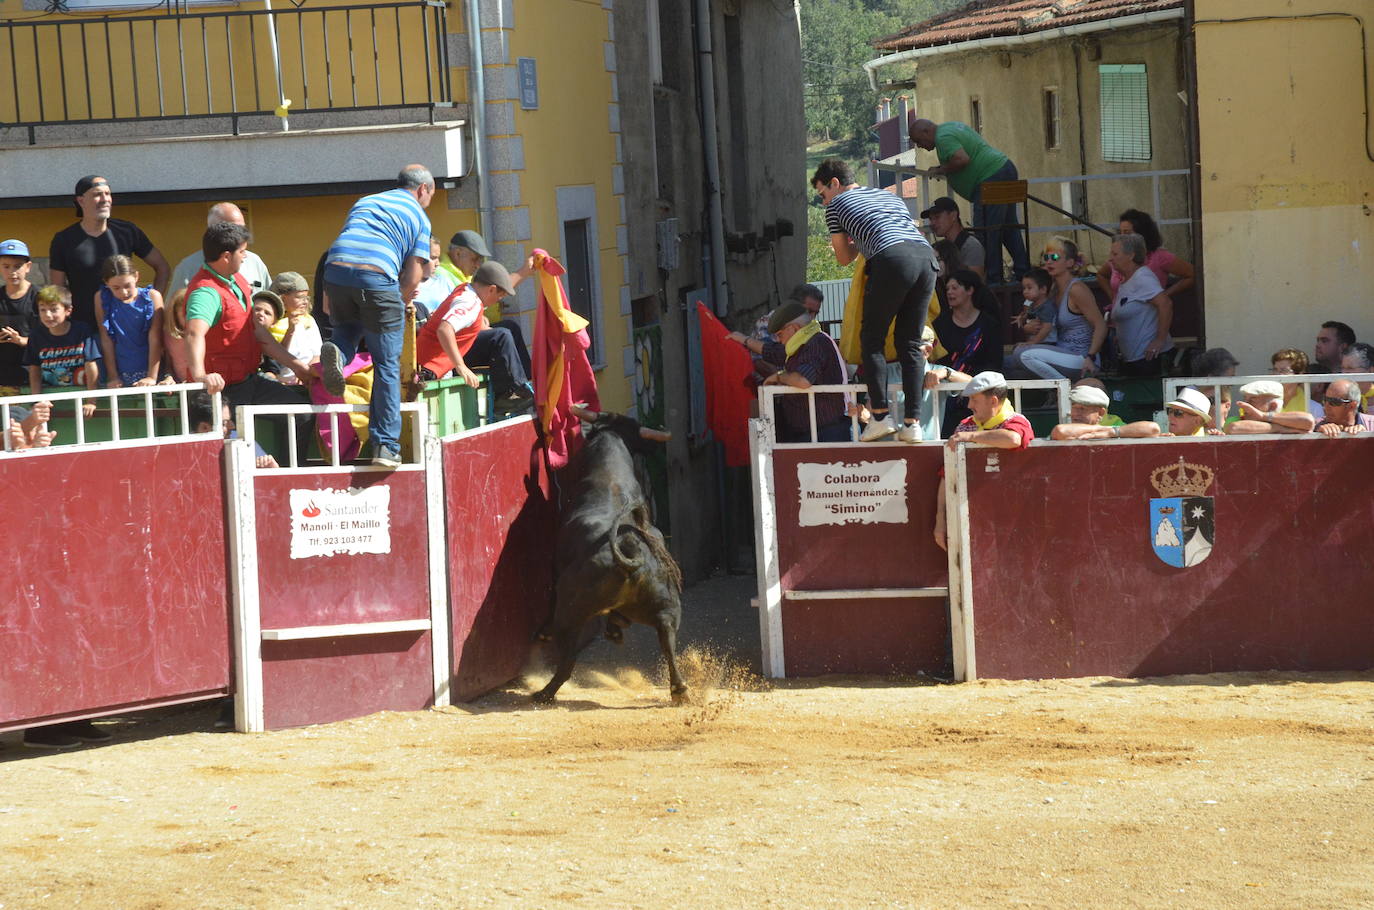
pixel 968 161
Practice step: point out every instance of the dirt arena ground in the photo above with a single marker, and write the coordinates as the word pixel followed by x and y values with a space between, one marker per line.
pixel 1242 790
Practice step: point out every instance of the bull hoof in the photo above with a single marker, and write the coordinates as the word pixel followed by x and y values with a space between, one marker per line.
pixel 680 696
pixel 543 697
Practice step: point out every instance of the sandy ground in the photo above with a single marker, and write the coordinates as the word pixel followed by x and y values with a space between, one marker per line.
pixel 1252 790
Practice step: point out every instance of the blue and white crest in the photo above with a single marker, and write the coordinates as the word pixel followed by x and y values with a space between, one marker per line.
pixel 1182 529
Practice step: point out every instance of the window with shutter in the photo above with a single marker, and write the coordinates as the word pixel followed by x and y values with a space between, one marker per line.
pixel 1124 98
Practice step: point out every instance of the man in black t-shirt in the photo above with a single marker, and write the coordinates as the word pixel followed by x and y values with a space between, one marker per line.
pixel 78 251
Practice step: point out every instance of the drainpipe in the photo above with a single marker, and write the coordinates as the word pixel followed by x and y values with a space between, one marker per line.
pixel 283 102
pixel 710 147
pixel 478 118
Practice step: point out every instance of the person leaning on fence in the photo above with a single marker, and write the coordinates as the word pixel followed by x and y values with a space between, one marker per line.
pixel 224 344
pixel 1341 404
pixel 1087 409
pixel 1261 411
pixel 62 353
pixel 374 266
pixel 26 427
pixel 900 279
pixel 968 161
pixel 803 356
pixel 456 338
pixel 18 309
pixel 1360 359
pixel 993 423
pixel 130 321
pixel 1190 414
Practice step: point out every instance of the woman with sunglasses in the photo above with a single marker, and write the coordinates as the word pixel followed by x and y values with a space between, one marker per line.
pixel 972 334
pixel 1079 325
pixel 1141 311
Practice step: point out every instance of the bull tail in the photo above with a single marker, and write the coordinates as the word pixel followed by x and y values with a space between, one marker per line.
pixel 634 519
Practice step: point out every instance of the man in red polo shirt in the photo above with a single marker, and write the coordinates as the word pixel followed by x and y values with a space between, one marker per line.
pixel 992 423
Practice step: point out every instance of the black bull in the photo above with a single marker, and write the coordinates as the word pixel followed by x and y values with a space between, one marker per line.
pixel 610 560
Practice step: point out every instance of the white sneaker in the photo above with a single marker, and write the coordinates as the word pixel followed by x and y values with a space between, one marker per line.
pixel 909 432
pixel 878 428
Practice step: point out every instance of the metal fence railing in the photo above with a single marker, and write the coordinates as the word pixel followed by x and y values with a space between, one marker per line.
pixel 160 413
pixel 1211 386
pixel 260 62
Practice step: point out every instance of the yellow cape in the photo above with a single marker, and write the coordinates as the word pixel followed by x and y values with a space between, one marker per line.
pixel 853 318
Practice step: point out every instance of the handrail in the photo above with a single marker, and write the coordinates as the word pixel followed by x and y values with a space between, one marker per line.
pixel 767 394
pixel 247 415
pixel 82 397
pixel 199 65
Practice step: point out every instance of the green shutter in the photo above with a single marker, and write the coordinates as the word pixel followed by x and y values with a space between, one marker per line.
pixel 1124 103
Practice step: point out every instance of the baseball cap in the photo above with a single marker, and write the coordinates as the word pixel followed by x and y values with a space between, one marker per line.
pixel 85 183
pixel 985 382
pixel 785 314
pixel 289 282
pixel 272 299
pixel 1260 388
pixel 473 241
pixel 1090 397
pixel 943 204
pixel 1192 400
pixel 14 248
pixel 493 273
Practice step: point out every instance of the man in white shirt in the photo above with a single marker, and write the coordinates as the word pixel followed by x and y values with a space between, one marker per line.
pixel 254 270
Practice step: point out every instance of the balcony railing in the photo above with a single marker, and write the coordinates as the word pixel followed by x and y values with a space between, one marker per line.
pixel 233 65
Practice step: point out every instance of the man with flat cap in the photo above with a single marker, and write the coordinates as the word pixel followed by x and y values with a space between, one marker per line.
pixel 1087 409
pixel 78 251
pixel 802 356
pixel 456 338
pixel 466 251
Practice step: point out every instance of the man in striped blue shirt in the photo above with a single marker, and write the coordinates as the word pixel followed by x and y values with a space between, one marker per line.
pixel 371 270
pixel 900 279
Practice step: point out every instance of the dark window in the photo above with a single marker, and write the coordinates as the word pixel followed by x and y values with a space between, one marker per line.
pixel 975 114
pixel 578 259
pixel 1051 118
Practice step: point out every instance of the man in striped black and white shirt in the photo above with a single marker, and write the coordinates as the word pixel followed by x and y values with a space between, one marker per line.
pixel 901 271
pixel 371 270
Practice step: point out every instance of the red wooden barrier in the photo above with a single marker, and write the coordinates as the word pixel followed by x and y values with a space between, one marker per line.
pixel 1066 582
pixel 309 674
pixel 501 526
pixel 854 629
pixel 114 595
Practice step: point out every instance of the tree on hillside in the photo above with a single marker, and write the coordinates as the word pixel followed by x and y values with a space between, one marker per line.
pixel 835 37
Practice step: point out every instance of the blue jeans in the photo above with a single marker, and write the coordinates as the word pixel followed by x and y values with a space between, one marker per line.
pixel 990 218
pixel 367 305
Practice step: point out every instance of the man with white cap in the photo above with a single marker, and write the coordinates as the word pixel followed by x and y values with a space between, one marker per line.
pixel 992 423
pixel 1261 411
pixel 1190 414
pixel 1087 409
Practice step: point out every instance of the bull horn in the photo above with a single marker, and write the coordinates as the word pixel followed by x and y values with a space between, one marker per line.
pixel 653 435
pixel 582 413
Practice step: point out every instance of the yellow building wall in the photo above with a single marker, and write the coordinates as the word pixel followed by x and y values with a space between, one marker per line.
pixel 1287 181
pixel 566 142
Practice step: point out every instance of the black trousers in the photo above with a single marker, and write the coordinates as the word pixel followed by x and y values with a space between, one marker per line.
pixel 495 348
pixel 900 281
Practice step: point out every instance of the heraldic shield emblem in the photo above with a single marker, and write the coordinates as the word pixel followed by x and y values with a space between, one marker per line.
pixel 1182 530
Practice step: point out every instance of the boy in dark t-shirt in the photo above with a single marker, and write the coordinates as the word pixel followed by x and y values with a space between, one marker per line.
pixel 18 306
pixel 61 352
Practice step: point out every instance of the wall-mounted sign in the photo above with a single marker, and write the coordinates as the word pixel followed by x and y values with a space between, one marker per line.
pixel 331 522
pixel 868 492
pixel 529 83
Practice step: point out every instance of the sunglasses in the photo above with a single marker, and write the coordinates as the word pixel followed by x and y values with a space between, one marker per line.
pixel 1050 257
pixel 1334 402
pixel 1179 412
